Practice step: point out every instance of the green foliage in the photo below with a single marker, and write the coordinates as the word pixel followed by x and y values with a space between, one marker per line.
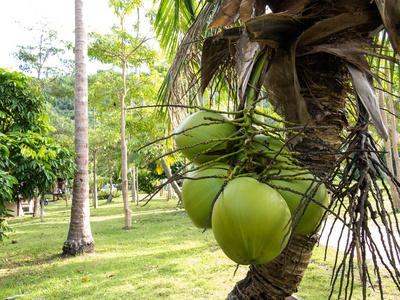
pixel 173 19
pixel 29 160
pixel 149 179
pixel 104 195
pixel 22 105
pixel 38 160
pixel 124 7
pixel 4 228
pixel 117 46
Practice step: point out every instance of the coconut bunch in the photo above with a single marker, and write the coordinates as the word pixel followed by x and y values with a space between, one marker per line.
pixel 246 185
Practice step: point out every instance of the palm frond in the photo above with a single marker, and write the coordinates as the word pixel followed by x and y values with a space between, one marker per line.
pixel 170 27
pixel 390 13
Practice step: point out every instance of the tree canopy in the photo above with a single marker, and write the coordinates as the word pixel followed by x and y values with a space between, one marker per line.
pixel 30 160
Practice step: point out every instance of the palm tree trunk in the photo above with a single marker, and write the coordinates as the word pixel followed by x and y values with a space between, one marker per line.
pixel 280 277
pixel 79 235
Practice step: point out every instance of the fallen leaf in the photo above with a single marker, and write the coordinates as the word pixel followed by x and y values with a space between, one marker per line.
pixel 85 279
pixel 79 271
pixel 68 281
pixel 111 275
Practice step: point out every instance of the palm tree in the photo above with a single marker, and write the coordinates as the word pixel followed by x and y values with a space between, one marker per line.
pixel 307 58
pixel 79 235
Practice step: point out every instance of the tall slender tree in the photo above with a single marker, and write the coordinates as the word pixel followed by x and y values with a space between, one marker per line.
pixel 80 236
pixel 123 50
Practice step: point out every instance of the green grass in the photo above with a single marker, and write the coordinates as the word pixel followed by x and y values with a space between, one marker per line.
pixel 162 257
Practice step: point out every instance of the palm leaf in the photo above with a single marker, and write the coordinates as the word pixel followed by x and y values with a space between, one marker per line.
pixel 364 87
pixel 390 13
pixel 169 27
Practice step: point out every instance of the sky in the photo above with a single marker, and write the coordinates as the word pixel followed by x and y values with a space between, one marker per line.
pixel 17 15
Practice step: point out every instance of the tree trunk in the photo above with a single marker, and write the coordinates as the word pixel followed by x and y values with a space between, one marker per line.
pixel 95 202
pixel 124 154
pixel 162 190
pixel 280 277
pixel 79 235
pixel 42 208
pixel 36 205
pixel 174 185
pixel 110 197
pixel 169 192
pixel 137 186
pixel 133 183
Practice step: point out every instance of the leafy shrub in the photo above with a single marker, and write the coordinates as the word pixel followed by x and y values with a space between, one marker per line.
pixel 104 195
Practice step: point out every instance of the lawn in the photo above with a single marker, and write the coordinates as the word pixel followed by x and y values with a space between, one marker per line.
pixel 162 257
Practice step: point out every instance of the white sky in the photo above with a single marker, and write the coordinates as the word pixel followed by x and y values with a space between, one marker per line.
pixel 17 14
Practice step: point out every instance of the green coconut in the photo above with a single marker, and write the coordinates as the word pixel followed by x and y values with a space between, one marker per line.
pixel 249 221
pixel 266 144
pixel 313 213
pixel 266 147
pixel 190 136
pixel 198 194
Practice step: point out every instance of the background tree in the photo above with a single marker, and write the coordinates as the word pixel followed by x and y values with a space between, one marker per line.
pixel 36 58
pixel 79 235
pixel 28 155
pixel 122 49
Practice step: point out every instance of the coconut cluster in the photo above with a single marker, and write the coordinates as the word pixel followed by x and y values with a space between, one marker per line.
pixel 246 189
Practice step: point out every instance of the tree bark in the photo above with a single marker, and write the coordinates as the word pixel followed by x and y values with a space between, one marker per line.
pixel 280 277
pixel 133 191
pixel 36 205
pixel 169 192
pixel 79 235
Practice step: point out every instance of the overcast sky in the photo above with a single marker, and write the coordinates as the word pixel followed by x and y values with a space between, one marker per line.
pixel 17 15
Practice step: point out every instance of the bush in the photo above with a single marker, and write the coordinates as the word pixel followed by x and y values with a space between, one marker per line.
pixel 104 195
